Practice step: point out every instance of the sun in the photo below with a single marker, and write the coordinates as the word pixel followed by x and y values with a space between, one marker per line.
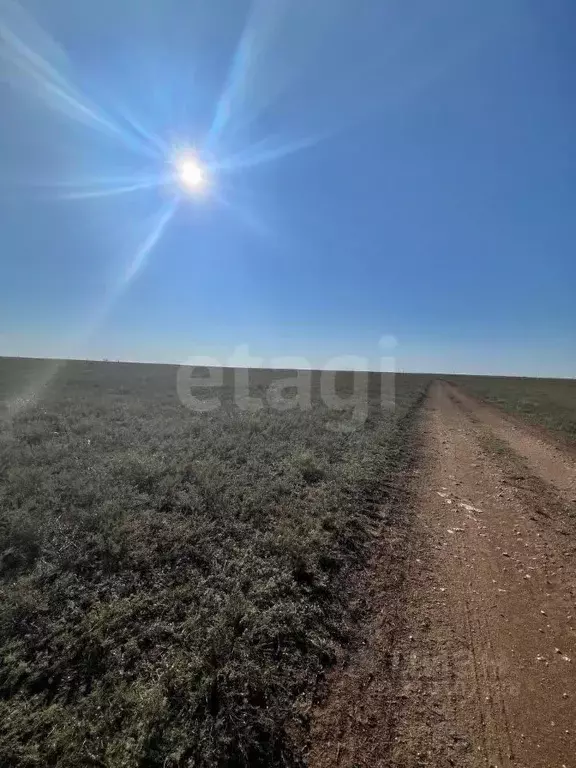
pixel 190 173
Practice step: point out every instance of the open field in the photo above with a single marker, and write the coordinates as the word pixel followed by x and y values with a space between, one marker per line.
pixel 173 583
pixel 273 587
pixel 550 403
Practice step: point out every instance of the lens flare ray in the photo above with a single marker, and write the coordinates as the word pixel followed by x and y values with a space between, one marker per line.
pixel 93 182
pixel 253 156
pixel 27 70
pixel 151 138
pixel 144 250
pixel 110 191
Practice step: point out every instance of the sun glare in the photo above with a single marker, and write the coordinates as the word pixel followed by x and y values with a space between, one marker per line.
pixel 190 173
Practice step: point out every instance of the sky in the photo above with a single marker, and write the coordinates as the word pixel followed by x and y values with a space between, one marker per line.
pixel 388 181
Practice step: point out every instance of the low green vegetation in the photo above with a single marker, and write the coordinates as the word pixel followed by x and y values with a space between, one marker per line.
pixel 173 583
pixel 550 403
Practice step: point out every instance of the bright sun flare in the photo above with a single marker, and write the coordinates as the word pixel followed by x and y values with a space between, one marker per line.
pixel 190 174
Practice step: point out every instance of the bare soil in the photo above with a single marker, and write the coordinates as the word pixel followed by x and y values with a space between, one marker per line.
pixel 468 655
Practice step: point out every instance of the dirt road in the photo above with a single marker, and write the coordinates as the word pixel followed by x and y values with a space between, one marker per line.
pixel 469 652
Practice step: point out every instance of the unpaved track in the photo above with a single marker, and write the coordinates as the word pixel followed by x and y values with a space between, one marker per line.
pixel 547 461
pixel 470 652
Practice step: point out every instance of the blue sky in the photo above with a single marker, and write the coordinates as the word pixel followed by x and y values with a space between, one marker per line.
pixel 400 168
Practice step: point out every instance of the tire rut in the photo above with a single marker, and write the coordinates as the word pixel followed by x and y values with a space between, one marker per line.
pixel 546 459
